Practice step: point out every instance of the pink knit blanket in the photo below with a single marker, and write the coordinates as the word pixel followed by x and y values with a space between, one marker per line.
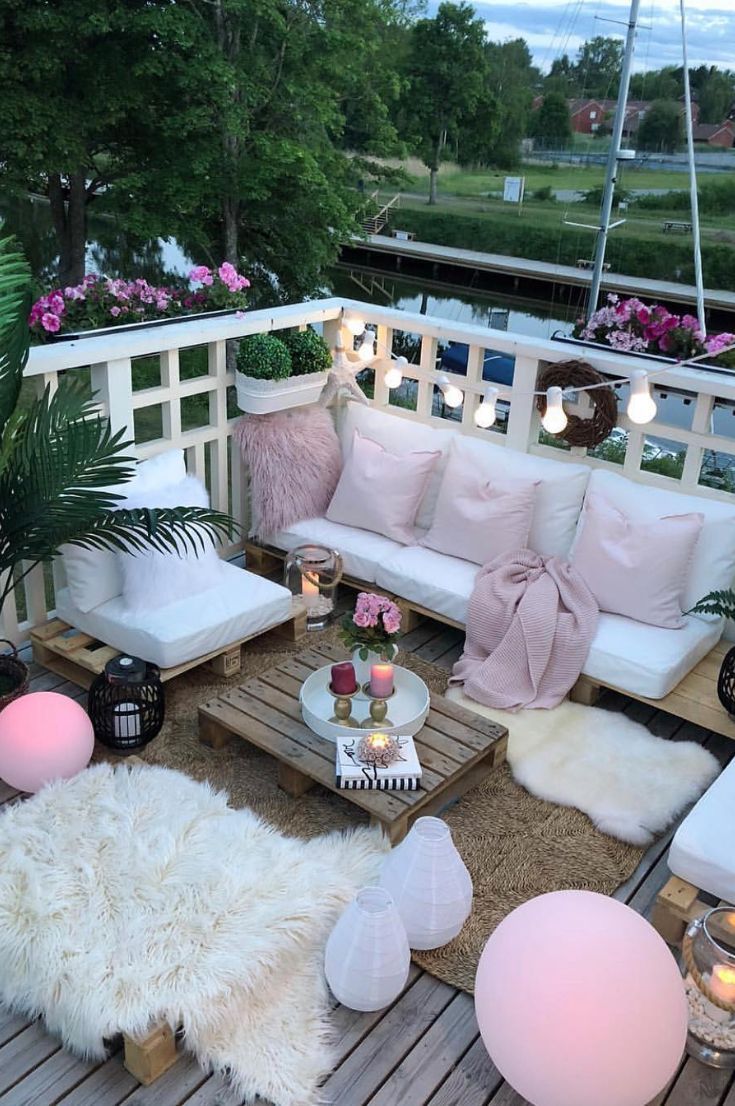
pixel 530 624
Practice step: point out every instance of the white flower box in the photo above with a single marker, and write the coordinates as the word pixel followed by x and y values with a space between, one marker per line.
pixel 260 397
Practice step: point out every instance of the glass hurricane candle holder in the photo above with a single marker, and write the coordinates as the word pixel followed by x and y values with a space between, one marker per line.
pixel 708 966
pixel 313 573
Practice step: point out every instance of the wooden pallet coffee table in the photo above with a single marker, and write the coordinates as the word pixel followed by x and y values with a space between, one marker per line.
pixel 457 748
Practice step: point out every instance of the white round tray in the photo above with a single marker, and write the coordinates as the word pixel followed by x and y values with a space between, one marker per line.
pixel 407 708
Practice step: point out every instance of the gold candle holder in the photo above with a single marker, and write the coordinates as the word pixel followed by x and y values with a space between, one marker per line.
pixel 378 708
pixel 343 707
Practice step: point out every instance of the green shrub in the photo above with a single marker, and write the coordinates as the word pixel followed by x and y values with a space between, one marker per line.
pixel 264 357
pixel 309 352
pixel 545 193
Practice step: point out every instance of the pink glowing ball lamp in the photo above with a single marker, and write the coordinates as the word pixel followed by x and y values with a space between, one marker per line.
pixel 580 1002
pixel 44 736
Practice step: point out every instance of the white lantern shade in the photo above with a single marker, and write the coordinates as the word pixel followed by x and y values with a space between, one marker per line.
pixel 453 396
pixel 367 956
pixel 429 884
pixel 355 326
pixel 485 413
pixel 641 405
pixel 393 377
pixel 366 349
pixel 554 419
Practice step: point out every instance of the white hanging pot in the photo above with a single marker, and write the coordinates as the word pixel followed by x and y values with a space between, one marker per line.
pixel 367 955
pixel 261 397
pixel 429 883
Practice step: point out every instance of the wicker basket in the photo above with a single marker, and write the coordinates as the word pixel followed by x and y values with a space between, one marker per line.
pixel 726 683
pixel 13 668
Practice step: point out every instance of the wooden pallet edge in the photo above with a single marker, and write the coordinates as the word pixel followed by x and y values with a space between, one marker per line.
pixel 677 904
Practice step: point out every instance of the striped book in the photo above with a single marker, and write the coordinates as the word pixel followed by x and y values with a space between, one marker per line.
pixel 402 775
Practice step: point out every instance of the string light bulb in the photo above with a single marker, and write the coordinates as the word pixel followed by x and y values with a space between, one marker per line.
pixel 394 375
pixel 355 326
pixel 485 413
pixel 453 396
pixel 641 405
pixel 554 418
pixel 366 349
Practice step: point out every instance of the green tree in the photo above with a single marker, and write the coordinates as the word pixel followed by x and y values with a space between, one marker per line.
pixel 562 78
pixel 551 120
pixel 93 93
pixel 715 90
pixel 597 67
pixel 447 103
pixel 512 79
pixel 661 127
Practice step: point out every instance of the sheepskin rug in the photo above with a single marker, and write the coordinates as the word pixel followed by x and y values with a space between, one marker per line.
pixel 630 783
pixel 128 895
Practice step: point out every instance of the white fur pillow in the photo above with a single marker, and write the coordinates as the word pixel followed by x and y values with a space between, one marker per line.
pixel 152 580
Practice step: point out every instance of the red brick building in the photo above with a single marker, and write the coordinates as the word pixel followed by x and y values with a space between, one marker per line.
pixel 716 134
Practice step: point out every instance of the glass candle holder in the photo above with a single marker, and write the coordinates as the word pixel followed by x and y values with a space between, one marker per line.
pixel 312 573
pixel 708 967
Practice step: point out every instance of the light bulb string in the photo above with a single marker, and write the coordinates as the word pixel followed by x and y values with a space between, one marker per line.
pixel 566 392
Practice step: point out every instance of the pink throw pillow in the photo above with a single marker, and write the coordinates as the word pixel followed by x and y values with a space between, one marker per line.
pixel 637 569
pixel 381 491
pixel 478 519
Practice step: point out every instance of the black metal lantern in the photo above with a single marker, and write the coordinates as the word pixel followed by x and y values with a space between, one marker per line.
pixel 726 683
pixel 126 704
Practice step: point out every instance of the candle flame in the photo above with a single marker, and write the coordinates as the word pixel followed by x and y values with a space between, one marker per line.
pixel 378 740
pixel 724 974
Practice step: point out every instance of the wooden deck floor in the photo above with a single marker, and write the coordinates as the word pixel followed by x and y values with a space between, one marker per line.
pixel 423 1051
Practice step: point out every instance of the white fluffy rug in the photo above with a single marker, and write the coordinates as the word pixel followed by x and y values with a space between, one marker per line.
pixel 129 895
pixel 629 782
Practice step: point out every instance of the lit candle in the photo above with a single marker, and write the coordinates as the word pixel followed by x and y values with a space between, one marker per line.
pixel 310 590
pixel 722 982
pixel 381 680
pixel 378 741
pixel 343 679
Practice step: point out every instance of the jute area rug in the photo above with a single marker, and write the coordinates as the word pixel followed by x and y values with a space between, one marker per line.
pixel 515 846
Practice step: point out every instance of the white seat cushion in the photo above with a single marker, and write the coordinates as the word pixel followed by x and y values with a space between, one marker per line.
pixel 430 579
pixel 243 604
pixel 702 851
pixel 648 660
pixel 361 550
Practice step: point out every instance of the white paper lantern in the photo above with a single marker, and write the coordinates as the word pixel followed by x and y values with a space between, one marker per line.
pixel 367 956
pixel 429 883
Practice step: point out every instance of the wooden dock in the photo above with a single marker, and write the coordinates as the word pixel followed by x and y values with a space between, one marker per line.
pixel 401 257
pixel 425 1050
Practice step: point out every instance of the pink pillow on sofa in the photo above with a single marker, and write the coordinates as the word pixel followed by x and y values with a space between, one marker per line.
pixel 478 519
pixel 637 569
pixel 381 491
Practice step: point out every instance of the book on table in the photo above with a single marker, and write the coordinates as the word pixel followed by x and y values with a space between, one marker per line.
pixel 403 774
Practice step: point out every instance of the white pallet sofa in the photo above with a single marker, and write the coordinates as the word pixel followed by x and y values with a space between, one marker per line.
pixel 644 661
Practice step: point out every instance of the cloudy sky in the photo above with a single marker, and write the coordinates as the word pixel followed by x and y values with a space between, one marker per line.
pixel 552 27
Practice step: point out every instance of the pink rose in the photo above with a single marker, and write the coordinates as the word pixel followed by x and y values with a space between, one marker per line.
pixel 50 322
pixel 361 619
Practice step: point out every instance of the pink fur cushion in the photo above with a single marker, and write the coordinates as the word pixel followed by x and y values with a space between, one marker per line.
pixel 633 568
pixel 381 491
pixel 479 519
pixel 294 459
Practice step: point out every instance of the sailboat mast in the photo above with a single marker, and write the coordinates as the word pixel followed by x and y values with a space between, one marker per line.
pixel 612 160
pixel 698 278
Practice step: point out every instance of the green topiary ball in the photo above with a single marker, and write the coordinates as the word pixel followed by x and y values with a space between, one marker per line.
pixel 264 357
pixel 309 352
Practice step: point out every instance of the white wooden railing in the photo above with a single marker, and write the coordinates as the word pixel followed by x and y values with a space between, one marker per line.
pixel 112 362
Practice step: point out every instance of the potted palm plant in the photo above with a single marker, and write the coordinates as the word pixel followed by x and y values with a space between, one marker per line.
pixel 275 373
pixel 58 458
pixel 722 603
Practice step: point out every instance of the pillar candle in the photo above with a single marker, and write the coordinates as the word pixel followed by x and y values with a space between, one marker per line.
pixel 722 982
pixel 343 678
pixel 381 680
pixel 310 591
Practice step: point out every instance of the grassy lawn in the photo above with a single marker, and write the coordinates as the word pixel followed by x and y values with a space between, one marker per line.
pixel 580 177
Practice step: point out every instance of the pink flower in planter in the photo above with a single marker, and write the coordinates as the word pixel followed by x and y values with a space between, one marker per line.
pixel 56 303
pixel 50 322
pixel 115 311
pixel 202 274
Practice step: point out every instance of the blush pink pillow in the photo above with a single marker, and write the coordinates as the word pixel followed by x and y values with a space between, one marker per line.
pixel 477 518
pixel 633 568
pixel 381 491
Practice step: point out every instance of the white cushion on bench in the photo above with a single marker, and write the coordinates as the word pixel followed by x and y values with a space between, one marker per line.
pixel 362 551
pixel 243 604
pixel 702 850
pixel 648 660
pixel 430 579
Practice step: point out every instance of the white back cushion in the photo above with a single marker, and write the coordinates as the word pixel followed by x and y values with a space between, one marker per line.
pixel 713 564
pixel 559 494
pixel 93 575
pixel 398 435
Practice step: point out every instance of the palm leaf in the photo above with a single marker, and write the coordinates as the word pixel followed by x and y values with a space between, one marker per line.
pixel 15 303
pixel 721 603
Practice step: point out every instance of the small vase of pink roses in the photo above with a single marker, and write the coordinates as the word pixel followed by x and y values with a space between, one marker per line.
pixel 371 632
